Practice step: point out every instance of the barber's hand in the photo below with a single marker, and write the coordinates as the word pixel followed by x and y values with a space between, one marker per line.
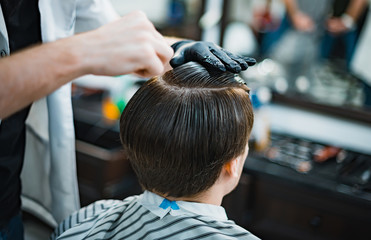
pixel 210 55
pixel 129 45
pixel 336 26
pixel 302 22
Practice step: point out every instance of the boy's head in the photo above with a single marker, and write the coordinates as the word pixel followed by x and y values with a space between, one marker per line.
pixel 180 129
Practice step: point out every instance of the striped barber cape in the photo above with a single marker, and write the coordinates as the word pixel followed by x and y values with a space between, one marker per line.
pixel 149 216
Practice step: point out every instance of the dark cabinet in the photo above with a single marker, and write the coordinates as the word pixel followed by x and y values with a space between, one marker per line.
pixel 273 207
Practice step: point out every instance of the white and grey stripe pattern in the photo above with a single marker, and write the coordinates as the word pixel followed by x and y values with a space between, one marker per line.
pixel 130 219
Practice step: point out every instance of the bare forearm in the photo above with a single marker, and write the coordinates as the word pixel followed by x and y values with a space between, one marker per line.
pixel 356 8
pixel 291 7
pixel 33 73
pixel 129 45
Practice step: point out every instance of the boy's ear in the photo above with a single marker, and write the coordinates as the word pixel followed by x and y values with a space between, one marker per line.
pixel 231 167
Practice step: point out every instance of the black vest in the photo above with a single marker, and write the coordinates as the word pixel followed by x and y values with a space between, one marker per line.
pixel 22 19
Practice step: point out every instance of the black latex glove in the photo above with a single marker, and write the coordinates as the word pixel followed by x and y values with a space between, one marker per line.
pixel 209 55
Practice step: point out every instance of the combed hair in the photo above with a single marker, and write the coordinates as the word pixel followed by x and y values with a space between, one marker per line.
pixel 178 130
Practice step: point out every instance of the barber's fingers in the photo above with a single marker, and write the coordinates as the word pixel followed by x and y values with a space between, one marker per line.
pixel 137 19
pixel 229 63
pixel 162 44
pixel 239 59
pixel 178 59
pixel 158 42
pixel 153 50
pixel 203 55
pixel 154 55
pixel 162 50
pixel 158 35
pixel 150 65
pixel 244 61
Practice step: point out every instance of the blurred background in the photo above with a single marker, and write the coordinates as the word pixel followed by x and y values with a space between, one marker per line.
pixel 308 172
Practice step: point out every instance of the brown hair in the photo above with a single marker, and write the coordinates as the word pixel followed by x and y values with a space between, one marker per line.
pixel 179 130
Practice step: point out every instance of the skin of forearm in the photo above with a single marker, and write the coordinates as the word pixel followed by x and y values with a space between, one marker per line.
pixel 355 8
pixel 36 72
pixel 133 47
pixel 291 7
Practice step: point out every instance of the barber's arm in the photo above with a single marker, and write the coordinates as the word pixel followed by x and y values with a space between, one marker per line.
pixel 299 20
pixel 347 21
pixel 128 45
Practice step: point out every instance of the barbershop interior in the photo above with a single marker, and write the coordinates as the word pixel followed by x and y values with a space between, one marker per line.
pixel 307 175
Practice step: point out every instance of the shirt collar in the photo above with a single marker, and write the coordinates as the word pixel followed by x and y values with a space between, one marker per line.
pixel 152 202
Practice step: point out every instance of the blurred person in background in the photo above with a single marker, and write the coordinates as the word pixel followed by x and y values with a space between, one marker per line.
pixel 314 30
pixel 332 23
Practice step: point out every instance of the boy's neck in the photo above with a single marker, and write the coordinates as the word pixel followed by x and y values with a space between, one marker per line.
pixel 212 196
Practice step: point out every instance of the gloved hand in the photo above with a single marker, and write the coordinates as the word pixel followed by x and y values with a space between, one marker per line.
pixel 209 55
